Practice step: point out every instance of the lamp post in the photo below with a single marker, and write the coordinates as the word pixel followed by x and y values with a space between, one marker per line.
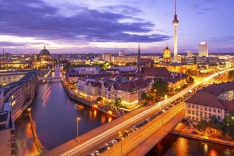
pixel 154 94
pixel 29 110
pixel 77 123
pixel 162 122
pixel 121 136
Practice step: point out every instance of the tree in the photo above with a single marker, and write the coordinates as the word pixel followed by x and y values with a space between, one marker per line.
pixel 201 126
pixel 231 75
pixel 191 80
pixel 99 99
pixel 105 65
pixel 228 124
pixel 118 102
pixel 160 86
pixel 191 72
pixel 144 96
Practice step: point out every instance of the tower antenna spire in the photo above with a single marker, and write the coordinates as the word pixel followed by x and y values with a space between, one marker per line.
pixel 175 23
pixel 139 59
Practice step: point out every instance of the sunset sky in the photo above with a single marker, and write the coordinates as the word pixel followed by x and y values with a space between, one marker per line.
pixel 80 26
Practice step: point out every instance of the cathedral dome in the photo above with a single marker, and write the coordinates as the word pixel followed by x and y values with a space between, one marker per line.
pixel 44 52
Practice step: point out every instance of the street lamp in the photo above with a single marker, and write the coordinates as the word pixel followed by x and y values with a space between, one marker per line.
pixel 77 123
pixel 154 94
pixel 121 136
pixel 162 122
pixel 29 110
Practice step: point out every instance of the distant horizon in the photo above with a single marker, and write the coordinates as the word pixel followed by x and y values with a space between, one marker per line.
pixel 112 51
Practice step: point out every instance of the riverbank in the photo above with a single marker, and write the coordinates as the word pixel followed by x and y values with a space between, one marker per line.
pixel 192 133
pixel 41 149
pixel 76 97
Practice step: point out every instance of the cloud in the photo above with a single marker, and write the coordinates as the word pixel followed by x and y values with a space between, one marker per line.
pixel 122 9
pixel 37 19
pixel 11 44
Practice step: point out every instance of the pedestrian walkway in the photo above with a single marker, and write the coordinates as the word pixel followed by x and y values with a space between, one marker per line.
pixel 39 146
pixel 183 131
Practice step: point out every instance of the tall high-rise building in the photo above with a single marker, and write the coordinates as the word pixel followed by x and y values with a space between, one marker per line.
pixel 139 60
pixel 121 53
pixel 203 49
pixel 189 53
pixel 175 23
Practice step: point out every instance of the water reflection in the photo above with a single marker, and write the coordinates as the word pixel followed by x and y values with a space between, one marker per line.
pixel 205 147
pixel 213 153
pixel 182 146
pixel 95 114
pixel 103 119
pixel 110 119
pixel 177 146
pixel 24 138
pixel 55 116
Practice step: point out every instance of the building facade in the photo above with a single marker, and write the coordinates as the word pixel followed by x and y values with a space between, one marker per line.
pixel 203 49
pixel 215 100
pixel 7 134
pixel 166 55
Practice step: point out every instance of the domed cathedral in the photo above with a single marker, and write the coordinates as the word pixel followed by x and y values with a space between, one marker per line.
pixel 166 55
pixel 44 54
pixel 44 60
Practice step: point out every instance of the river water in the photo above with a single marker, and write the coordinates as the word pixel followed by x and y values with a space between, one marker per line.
pixel 54 116
pixel 173 145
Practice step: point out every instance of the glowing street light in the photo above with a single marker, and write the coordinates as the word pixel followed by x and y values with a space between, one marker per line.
pixel 29 110
pixel 77 123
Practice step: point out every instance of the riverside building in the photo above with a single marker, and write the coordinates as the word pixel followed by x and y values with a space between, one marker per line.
pixel 214 100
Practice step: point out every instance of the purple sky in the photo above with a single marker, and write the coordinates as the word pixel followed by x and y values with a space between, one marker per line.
pixel 78 26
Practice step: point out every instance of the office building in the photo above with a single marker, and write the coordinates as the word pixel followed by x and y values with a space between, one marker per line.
pixel 203 49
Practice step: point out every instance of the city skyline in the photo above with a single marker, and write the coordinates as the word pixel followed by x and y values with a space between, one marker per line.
pixel 110 25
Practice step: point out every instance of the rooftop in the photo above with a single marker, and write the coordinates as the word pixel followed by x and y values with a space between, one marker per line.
pixel 156 72
pixel 209 96
pixel 3 116
pixel 10 86
pixel 217 89
pixel 205 99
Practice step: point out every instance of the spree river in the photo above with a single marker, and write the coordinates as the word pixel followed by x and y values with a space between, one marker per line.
pixel 173 145
pixel 54 115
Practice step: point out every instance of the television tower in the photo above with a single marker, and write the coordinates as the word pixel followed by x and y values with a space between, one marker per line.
pixel 175 23
pixel 139 60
